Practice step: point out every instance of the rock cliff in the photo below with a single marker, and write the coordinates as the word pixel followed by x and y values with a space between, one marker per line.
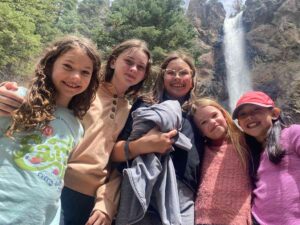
pixel 273 49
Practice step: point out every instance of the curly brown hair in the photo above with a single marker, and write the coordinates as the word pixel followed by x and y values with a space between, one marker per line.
pixel 131 44
pixel 40 102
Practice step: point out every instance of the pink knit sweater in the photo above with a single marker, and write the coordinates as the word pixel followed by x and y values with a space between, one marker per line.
pixel 224 194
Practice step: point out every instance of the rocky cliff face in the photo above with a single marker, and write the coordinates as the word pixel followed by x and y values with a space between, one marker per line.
pixel 273 37
pixel 208 21
pixel 273 49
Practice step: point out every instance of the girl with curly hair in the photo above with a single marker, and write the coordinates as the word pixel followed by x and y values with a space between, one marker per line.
pixel 38 138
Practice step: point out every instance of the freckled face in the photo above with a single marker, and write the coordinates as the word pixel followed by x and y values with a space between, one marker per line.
pixel 178 86
pixel 211 122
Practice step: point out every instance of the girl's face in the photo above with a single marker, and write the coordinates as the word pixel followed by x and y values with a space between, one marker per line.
pixel 211 122
pixel 256 120
pixel 71 75
pixel 129 69
pixel 178 80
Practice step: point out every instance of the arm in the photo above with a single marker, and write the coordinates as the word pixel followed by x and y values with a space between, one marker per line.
pixel 107 200
pixel 153 141
pixel 9 99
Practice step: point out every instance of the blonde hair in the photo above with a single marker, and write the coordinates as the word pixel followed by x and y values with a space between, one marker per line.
pixel 234 134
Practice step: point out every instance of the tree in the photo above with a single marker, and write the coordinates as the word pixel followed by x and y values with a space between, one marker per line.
pixel 92 15
pixel 67 20
pixel 161 23
pixel 18 40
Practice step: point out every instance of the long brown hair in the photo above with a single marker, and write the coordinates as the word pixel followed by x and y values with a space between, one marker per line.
pixel 234 134
pixel 159 88
pixel 131 44
pixel 40 102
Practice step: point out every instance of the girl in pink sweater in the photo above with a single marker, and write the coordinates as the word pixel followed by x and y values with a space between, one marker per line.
pixel 224 193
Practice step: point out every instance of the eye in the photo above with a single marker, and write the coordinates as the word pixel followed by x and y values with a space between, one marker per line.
pixel 170 72
pixel 214 115
pixel 67 66
pixel 183 73
pixel 86 73
pixel 129 62
pixel 141 68
pixel 203 122
pixel 242 115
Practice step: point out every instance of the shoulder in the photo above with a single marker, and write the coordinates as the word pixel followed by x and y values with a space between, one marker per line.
pixel 65 119
pixel 290 136
pixel 292 131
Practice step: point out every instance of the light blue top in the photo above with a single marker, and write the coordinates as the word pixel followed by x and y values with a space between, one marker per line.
pixel 32 166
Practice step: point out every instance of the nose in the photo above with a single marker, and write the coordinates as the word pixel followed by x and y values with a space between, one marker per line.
pixel 75 75
pixel 211 123
pixel 133 67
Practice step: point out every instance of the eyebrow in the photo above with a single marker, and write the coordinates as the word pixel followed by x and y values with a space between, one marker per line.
pixel 72 62
pixel 134 60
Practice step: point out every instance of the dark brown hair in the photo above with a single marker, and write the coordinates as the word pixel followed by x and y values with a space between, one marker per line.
pixel 40 103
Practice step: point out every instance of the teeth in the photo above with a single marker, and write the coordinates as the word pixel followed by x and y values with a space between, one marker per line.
pixel 251 125
pixel 71 85
pixel 177 85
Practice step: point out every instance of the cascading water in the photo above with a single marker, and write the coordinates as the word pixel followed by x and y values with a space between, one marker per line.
pixel 238 75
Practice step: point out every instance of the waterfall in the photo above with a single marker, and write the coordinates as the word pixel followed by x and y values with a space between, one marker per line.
pixel 238 75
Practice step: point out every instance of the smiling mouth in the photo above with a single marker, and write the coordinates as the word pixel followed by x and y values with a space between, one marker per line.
pixel 253 125
pixel 70 85
pixel 178 85
pixel 131 77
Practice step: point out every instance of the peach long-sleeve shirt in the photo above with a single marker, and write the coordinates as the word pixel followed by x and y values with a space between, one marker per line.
pixel 88 169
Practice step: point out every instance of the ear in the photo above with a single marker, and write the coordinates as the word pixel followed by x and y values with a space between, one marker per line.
pixel 275 113
pixel 112 63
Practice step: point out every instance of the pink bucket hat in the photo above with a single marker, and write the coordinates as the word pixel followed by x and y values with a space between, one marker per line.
pixel 255 98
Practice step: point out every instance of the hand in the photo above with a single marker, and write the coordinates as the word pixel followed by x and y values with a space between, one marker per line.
pixel 156 141
pixel 9 100
pixel 98 218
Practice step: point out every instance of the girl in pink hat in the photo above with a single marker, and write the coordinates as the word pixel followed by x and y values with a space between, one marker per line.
pixel 275 150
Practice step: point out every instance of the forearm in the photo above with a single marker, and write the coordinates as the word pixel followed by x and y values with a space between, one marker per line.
pixel 108 195
pixel 118 153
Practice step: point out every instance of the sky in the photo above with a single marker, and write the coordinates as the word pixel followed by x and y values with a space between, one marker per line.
pixel 226 3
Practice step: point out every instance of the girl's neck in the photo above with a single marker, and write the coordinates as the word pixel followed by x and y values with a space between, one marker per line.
pixel 181 100
pixel 217 142
pixel 119 90
pixel 62 102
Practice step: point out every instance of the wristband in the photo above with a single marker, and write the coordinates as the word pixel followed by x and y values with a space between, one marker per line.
pixel 127 152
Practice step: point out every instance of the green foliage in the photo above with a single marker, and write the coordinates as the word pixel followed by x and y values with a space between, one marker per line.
pixel 26 25
pixel 161 23
pixel 18 40
pixel 67 21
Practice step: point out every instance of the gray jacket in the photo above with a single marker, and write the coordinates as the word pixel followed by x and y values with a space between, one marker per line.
pixel 152 177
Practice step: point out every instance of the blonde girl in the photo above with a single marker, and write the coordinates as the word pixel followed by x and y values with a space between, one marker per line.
pixel 224 193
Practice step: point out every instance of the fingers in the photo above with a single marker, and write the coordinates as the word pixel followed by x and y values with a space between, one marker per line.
pixel 98 218
pixel 13 86
pixel 9 100
pixel 172 133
